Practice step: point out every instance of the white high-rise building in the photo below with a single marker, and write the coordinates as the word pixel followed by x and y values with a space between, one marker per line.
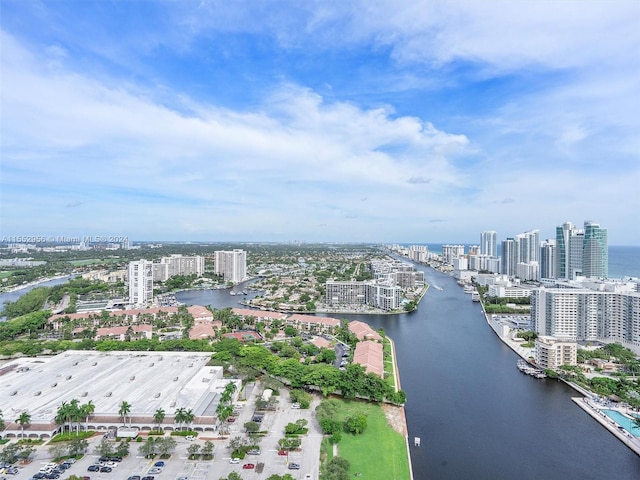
pixel 449 252
pixel 232 265
pixel 140 282
pixel 577 314
pixel 183 265
pixel 548 262
pixel 489 243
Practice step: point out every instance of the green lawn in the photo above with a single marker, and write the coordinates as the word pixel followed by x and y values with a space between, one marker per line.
pixel 380 452
pixel 82 263
pixel 91 261
pixel 5 274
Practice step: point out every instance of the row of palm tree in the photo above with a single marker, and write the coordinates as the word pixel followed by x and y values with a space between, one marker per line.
pixel 225 408
pixel 74 412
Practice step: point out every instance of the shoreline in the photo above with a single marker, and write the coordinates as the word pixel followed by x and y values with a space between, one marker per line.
pixel 35 283
pixel 585 402
pixel 396 371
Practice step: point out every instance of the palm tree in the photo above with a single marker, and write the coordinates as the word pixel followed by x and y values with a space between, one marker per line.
pixel 23 420
pixel 125 409
pixel 87 410
pixel 61 415
pixel 179 416
pixel 75 414
pixel 158 417
pixel 188 416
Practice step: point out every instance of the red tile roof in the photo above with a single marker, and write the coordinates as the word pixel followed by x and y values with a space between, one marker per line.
pixel 369 354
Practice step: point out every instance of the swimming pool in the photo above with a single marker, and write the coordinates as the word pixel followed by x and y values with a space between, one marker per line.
pixel 625 422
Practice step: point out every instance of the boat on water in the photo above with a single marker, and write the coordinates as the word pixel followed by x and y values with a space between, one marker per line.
pixel 525 367
pixel 232 292
pixel 244 292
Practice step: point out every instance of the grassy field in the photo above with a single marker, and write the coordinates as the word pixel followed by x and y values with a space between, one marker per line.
pixel 380 452
pixel 5 274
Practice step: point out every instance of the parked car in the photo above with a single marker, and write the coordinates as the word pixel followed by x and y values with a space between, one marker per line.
pixel 253 451
pixel 248 466
pixel 159 464
pixel 294 466
pixel 234 460
pixel 154 471
pixel 134 477
pixel 105 469
pixel 282 452
pixel 295 405
pixel 94 468
pixel 149 477
pixel 231 419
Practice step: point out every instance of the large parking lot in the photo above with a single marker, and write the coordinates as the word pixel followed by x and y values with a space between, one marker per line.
pixel 178 467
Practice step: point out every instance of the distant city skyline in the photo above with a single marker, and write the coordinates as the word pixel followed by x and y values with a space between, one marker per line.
pixel 390 121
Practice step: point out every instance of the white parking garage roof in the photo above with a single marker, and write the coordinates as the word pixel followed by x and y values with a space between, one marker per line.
pixel 146 380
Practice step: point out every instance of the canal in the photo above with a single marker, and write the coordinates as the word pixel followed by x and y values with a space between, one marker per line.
pixel 477 415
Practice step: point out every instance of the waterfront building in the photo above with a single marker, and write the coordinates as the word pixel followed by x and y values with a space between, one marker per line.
pixel 595 257
pixel 183 265
pixel 484 263
pixel 232 265
pixel 140 278
pixel 508 291
pixel 449 252
pixel 520 255
pixel 528 246
pixel 569 240
pixel 419 253
pixel 581 252
pixel 375 293
pixel 552 353
pixel 370 355
pixel 509 257
pixel 583 314
pixel 489 243
pixel 160 272
pixel 461 263
pixel 346 293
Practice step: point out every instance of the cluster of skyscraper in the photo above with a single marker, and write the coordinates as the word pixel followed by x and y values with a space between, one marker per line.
pixel 573 253
pixel 141 274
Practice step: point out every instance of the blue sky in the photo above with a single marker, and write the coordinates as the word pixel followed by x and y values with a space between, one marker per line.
pixel 385 121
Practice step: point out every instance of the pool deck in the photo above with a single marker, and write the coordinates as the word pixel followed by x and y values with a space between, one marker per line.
pixel 594 410
pixel 585 403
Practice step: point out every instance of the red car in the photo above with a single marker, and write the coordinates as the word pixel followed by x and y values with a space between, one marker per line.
pixel 231 419
pixel 248 466
pixel 282 452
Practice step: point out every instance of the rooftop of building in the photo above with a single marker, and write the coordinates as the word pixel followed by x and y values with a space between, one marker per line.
pixel 146 380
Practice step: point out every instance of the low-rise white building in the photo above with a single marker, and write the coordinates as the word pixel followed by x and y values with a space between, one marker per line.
pixel 553 353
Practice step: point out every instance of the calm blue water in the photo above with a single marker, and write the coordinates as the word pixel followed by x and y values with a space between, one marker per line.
pixel 623 421
pixel 477 415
